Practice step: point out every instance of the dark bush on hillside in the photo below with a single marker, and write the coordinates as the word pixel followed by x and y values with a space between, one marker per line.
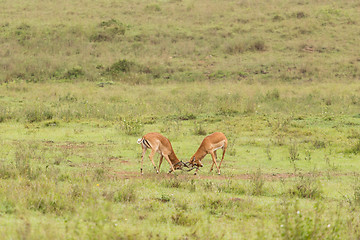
pixel 108 30
pixel 121 66
pixel 73 73
pixel 38 115
pixel 126 66
pixel 240 46
pixel 23 33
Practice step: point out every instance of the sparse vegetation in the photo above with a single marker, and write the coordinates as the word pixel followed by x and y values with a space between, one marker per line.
pixel 80 82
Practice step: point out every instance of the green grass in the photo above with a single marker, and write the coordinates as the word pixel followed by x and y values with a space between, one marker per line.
pixel 75 173
pixel 80 82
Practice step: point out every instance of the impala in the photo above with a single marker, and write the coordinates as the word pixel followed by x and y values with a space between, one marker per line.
pixel 209 145
pixel 158 143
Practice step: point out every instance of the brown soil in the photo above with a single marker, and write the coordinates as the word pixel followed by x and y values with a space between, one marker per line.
pixel 245 176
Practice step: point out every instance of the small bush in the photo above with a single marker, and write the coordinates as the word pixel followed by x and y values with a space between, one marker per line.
pixel 73 73
pixel 273 95
pixel 257 183
pixel 306 187
pixel 164 198
pixel 6 171
pixel 99 174
pixel 23 33
pixel 38 115
pixel 257 45
pixel 126 194
pixel 108 30
pixel 300 15
pixel 121 66
pixel 153 8
pixel 7 207
pixel 188 116
pixel 198 130
pixel 294 223
pixel 354 149
pixel 232 187
pixel 240 46
pixel 293 152
pixel 277 18
pixel 172 183
pixel 132 127
pixel 318 144
pixel 183 218
pixel 354 198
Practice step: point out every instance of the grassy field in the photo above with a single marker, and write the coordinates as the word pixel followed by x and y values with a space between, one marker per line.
pixel 81 81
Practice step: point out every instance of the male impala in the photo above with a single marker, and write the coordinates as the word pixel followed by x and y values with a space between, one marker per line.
pixel 210 145
pixel 158 143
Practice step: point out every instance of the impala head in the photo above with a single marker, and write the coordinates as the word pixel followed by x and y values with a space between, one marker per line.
pixel 179 165
pixel 194 162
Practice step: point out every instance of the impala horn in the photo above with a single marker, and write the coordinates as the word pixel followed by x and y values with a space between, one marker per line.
pixel 192 168
pixel 186 164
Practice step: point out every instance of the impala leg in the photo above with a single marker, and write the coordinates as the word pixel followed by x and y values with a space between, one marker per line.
pixel 171 166
pixel 214 161
pixel 161 159
pixel 142 159
pixel 224 149
pixel 197 169
pixel 212 166
pixel 151 156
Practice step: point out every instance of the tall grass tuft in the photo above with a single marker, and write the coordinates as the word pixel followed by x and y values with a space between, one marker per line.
pixel 125 194
pixel 306 186
pixel 257 182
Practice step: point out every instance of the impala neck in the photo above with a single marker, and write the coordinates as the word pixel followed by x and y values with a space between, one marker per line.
pixel 200 154
pixel 173 158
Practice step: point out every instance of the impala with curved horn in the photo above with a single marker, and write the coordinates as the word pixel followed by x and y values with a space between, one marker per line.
pixel 209 145
pixel 158 143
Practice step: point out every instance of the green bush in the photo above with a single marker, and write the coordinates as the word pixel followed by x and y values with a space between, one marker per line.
pixel 74 73
pixel 306 186
pixel 126 194
pixel 108 31
pixel 38 115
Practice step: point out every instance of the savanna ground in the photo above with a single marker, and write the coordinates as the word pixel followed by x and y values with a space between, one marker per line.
pixel 81 81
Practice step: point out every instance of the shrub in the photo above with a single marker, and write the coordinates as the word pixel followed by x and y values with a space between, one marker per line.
pixel 306 187
pixel 198 130
pixel 231 187
pixel 6 171
pixel 257 183
pixel 296 224
pixel 187 116
pixel 38 115
pixel 99 174
pixel 121 66
pixel 153 8
pixel 132 127
pixel 354 149
pixel 125 194
pixel 273 94
pixel 293 152
pixel 184 219
pixel 172 183
pixel 240 46
pixel 108 30
pixel 73 73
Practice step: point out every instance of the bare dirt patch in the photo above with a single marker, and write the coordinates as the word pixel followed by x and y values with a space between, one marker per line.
pixel 245 176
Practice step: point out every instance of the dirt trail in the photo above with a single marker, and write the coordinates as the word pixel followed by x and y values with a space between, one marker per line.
pixel 245 176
